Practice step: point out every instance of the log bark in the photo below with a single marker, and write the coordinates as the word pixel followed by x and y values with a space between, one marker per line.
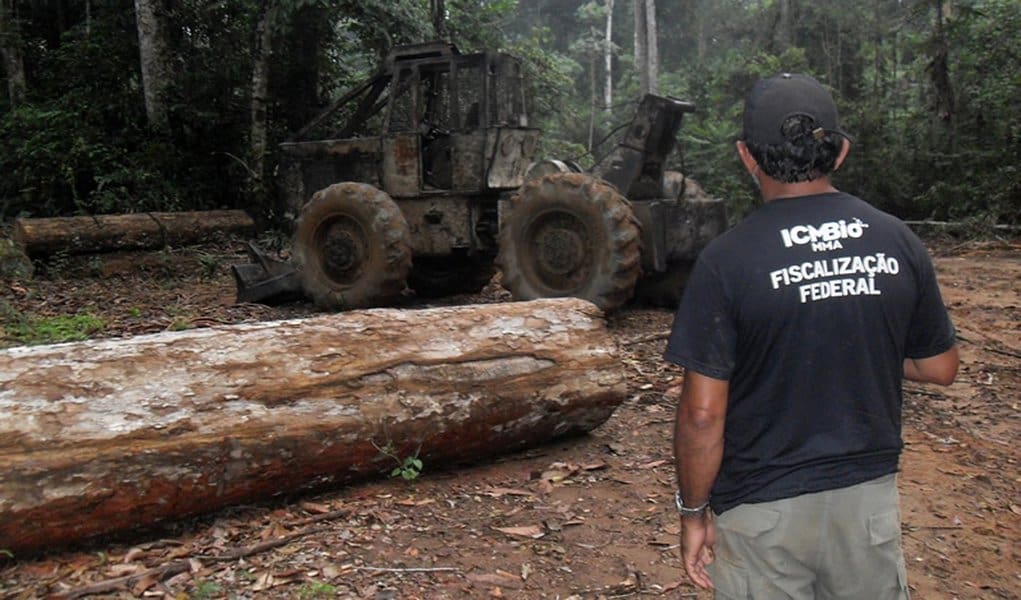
pixel 108 436
pixel 104 233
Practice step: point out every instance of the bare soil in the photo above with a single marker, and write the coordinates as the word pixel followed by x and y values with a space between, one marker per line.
pixel 587 517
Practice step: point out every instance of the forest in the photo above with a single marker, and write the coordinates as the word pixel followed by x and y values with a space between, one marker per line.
pixel 120 106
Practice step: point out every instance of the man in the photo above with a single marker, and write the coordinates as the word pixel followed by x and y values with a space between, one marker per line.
pixel 796 330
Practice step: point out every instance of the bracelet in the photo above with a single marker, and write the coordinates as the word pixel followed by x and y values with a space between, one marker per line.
pixel 684 510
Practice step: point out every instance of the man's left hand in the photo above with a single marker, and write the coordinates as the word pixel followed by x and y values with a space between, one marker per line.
pixel 698 541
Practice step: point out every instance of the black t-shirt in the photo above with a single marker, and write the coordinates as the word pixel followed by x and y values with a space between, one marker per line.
pixel 808 308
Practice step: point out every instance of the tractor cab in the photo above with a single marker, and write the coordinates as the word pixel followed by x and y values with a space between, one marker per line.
pixel 455 122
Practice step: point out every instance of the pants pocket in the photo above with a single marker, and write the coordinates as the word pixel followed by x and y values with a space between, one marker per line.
pixel 748 520
pixel 730 581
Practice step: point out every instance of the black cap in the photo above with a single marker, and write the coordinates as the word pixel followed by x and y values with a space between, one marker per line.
pixel 772 101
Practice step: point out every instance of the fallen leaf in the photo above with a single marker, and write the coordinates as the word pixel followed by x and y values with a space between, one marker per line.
pixel 144 584
pixel 500 492
pixel 133 555
pixel 315 508
pixel 653 464
pixel 528 531
pixel 498 579
pixel 413 502
pixel 263 582
pixel 123 570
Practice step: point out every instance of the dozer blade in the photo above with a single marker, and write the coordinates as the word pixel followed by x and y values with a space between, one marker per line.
pixel 266 280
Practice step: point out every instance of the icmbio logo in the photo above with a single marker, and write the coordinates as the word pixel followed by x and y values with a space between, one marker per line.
pixel 826 236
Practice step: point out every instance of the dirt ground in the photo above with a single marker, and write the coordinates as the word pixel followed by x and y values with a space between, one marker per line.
pixel 587 517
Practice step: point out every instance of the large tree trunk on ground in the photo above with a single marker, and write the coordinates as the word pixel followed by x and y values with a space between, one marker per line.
pixel 113 435
pixel 101 233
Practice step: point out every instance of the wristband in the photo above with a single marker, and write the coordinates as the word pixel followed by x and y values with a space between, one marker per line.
pixel 686 511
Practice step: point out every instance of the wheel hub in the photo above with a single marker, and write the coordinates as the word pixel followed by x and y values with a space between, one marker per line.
pixel 561 251
pixel 343 251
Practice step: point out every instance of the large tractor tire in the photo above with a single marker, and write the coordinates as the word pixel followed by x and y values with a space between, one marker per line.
pixel 435 277
pixel 352 247
pixel 570 234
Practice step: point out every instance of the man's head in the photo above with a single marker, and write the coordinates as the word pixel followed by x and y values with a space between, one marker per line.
pixel 790 128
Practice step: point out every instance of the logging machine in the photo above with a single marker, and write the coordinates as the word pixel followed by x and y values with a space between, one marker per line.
pixel 448 192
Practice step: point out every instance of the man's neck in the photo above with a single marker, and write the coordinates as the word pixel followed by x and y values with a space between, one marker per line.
pixel 775 190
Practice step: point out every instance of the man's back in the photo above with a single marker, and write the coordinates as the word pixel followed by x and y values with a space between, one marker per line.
pixel 814 299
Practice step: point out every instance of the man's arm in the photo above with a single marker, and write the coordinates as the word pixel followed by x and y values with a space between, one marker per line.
pixel 698 435
pixel 698 451
pixel 940 369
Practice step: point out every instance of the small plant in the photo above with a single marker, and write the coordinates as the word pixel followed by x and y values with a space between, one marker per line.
pixel 205 590
pixel 95 266
pixel 180 324
pixel 316 589
pixel 408 468
pixel 210 264
pixel 6 552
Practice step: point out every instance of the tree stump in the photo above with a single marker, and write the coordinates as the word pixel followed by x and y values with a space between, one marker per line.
pixel 111 435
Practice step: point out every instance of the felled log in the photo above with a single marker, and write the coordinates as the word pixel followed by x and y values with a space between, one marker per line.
pixel 103 233
pixel 111 435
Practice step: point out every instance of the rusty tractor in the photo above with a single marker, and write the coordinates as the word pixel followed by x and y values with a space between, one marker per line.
pixel 448 192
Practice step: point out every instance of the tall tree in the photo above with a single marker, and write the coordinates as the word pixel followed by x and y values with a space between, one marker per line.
pixel 652 47
pixel 154 58
pixel 608 57
pixel 782 37
pixel 12 53
pixel 439 18
pixel 258 136
pixel 646 45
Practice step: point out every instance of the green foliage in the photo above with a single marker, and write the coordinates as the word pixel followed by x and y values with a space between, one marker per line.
pixel 205 590
pixel 316 589
pixel 409 469
pixel 80 144
pixel 210 264
pixel 26 329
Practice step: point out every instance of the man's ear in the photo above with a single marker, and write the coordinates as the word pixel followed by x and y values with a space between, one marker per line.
pixel 746 158
pixel 845 147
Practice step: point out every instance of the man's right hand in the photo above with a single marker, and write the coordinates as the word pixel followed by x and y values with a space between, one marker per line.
pixel 698 542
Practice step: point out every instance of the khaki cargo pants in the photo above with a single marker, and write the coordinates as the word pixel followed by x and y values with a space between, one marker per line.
pixel 839 544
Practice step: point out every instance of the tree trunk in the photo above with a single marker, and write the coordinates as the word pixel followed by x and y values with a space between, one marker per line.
pixel 154 60
pixel 782 32
pixel 101 233
pixel 260 99
pixel 646 48
pixel 115 435
pixel 652 46
pixel 641 46
pixel 12 53
pixel 438 10
pixel 700 33
pixel 608 57
pixel 593 97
